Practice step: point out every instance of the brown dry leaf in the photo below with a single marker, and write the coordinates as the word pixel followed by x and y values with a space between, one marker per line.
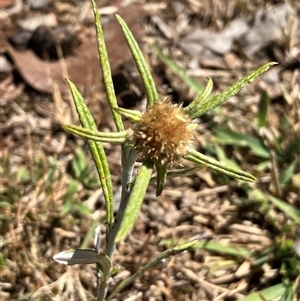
pixel 5 3
pixel 82 67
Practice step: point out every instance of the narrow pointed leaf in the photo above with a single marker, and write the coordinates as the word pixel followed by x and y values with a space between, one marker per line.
pixel 113 137
pixel 179 172
pixel 263 108
pixel 287 174
pixel 132 115
pixel 269 294
pixel 140 62
pixel 135 200
pixel 232 90
pixel 291 293
pixel 179 71
pixel 151 264
pixel 229 137
pixel 81 256
pixel 193 108
pixel 105 68
pixel 223 249
pixel 218 248
pixel 289 210
pixel 161 178
pixel 87 121
pixel 213 164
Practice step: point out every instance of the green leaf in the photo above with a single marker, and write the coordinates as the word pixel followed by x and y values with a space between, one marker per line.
pixel 179 172
pixel 286 174
pixel 223 249
pixel 134 116
pixel 80 256
pixel 193 108
pixel 151 264
pixel 105 68
pixel 179 71
pixel 263 108
pixel 269 294
pixel 289 210
pixel 201 159
pixel 140 62
pixel 87 121
pixel 67 207
pixel 79 163
pixel 22 174
pixel 229 137
pixel 290 293
pixel 135 200
pixel 223 158
pixel 82 209
pixel 293 149
pixel 112 137
pixel 233 89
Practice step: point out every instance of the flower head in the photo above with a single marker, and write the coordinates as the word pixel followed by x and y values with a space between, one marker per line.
pixel 163 133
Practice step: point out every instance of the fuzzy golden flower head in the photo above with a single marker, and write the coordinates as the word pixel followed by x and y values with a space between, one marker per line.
pixel 163 133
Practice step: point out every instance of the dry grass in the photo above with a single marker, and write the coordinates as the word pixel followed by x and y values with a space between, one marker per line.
pixel 50 198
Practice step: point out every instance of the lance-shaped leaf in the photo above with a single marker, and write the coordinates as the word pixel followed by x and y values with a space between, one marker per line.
pixel 291 211
pixel 140 62
pixel 132 115
pixel 87 121
pixel 232 90
pixel 135 201
pixel 152 263
pixel 81 256
pixel 179 172
pixel 268 294
pixel 112 137
pixel 193 108
pixel 213 164
pixel 105 68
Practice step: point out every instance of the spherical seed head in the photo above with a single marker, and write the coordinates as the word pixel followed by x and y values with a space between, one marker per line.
pixel 163 133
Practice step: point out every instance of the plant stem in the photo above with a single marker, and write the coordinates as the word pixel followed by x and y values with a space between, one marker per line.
pixel 129 157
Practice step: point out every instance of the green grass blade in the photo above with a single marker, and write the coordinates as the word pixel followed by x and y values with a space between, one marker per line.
pixel 213 164
pixel 218 248
pixel 135 200
pixel 289 210
pixel 105 68
pixel 97 150
pixel 179 71
pixel 287 174
pixel 269 294
pixel 229 137
pixel 151 264
pixel 140 62
pixel 233 89
pixel 223 249
pixel 263 108
pixel 179 172
pixel 291 293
